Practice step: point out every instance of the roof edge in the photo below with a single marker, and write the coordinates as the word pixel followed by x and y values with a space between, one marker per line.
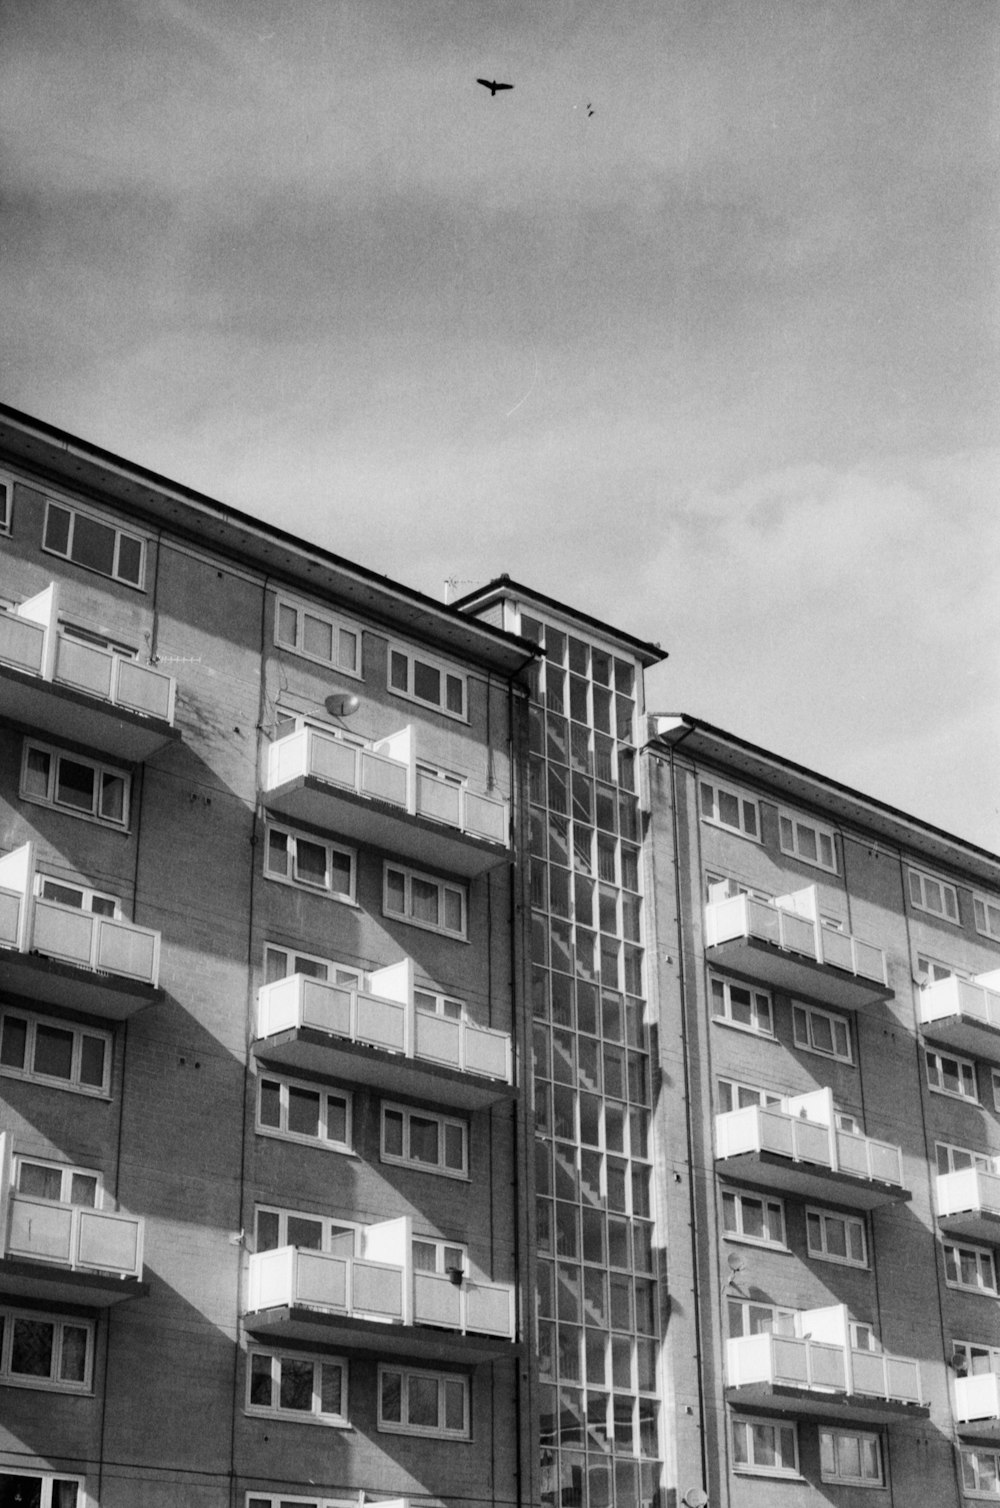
pixel 648 653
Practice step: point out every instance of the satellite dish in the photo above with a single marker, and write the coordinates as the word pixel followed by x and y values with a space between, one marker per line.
pixel 695 1497
pixel 342 704
pixel 736 1263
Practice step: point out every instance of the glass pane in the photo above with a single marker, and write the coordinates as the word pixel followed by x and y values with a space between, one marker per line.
pixel 454 1148
pixel 454 693
pixel 31 1348
pixel 398 671
pixel 395 892
pixel 36 773
pixel 75 785
pixel 57 529
pixel 305 1233
pixel 426 682
pixel 340 884
pixel 422 1401
pixel 287 619
pixel 260 1381
pixel 310 862
pixel 53 1052
pixel 13 1042
pixel 42 1182
pixel 93 544
pixel 73 1363
pixel 424 901
pixel 317 637
pixel 423 1139
pixel 267 1230
pixel 453 910
pixel 336 1119
pixel 331 1389
pixel 303 1111
pixel 129 559
pixel 454 1404
pixel 296 1385
pixel 83 1190
pixel 270 1103
pixel 390 1397
pixel 113 797
pixel 392 1133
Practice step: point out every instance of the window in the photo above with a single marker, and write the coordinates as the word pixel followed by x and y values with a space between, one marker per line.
pixel 722 887
pixel 739 1005
pixel 281 963
pixel 434 1004
pixel 952 1159
pixel 80 897
pixel 57 1181
pixel 99 546
pixel 284 1500
pixel 947 1075
pixel 730 808
pixel 805 840
pixel 935 896
pixel 981 1472
pixel 274 1228
pixel 6 502
pixel 751 1217
pixel 760 1445
pixel 736 1096
pixel 836 1238
pixel 932 970
pixel 748 1318
pixel 85 787
pixel 298 859
pixel 304 1112
pixel 986 912
pixel 819 1031
pixel 431 1255
pixel 971 1360
pixel 850 1456
pixel 423 1403
pixel 317 635
pixel 427 681
pixel 40 1489
pixel 423 901
pixel 54 1052
pixel 46 1351
pixel 995 1083
pixel 969 1267
pixel 297 1387
pixel 436 1143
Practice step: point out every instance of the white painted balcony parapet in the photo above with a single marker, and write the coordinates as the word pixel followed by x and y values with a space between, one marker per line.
pixel 388 772
pixel 959 1003
pixel 803 1129
pixel 74 1236
pixel 385 1017
pixel 792 924
pixel 977 1398
pixel 31 642
pixel 820 1358
pixel 968 1202
pixel 104 944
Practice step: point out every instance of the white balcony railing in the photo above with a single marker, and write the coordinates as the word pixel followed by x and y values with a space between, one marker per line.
pixel 803 1128
pixel 391 1293
pixel 389 773
pixel 75 1236
pixel 821 1358
pixel 954 999
pixel 31 924
pixel 792 924
pixel 977 1397
pixel 31 641
pixel 968 1191
pixel 392 1023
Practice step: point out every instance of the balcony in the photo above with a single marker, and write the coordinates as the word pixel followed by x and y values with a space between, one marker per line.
pixel 818 1372
pixel 977 1406
pixel 377 1036
pixel 797 1147
pixel 58 684
pixel 964 1014
pixel 377 1301
pixel 66 1253
pixel 381 796
pixel 61 955
pixel 968 1204
pixel 783 943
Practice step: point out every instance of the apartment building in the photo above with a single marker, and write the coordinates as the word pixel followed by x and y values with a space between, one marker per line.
pixel 829 1045
pixel 264 1166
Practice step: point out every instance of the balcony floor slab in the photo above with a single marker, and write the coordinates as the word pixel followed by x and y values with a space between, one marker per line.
pixel 794 974
pixel 774 1398
pixel 109 997
pixel 307 1050
pixel 976 1225
pixel 49 707
pixel 805 1180
pixel 986 1430
pixel 294 1323
pixel 965 1034
pixel 365 819
pixel 65 1285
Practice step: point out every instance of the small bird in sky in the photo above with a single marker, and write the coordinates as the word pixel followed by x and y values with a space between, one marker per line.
pixel 493 86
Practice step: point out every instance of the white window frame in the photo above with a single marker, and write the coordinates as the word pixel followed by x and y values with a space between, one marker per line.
pixel 959 1158
pixel 406 915
pixel 745 825
pixel 984 1260
pixel 935 970
pixel 317 1361
pixel 448 1255
pixel 748 1423
pixel 409 1113
pixel 969 1456
pixel 769 1207
pixel 67 1172
pixel 254 1499
pixel 78 1033
pixel 822 1253
pixel 446 671
pixel 934 1062
pixel 733 888
pixel 47 1479
pixel 330 1228
pixel 50 798
pixel 791 829
pixel 809 1015
pixel 782 1319
pixel 337 625
pixel 721 993
pixel 336 972
pixel 437 1003
pixel 751 1094
pixel 7 482
pixel 986 914
pixel 918 883
pixel 963 1353
pixel 290 877
pixel 995 1086
pixel 59 1322
pixel 402 1426
pixel 286 1087
pixel 863 1438
pixel 75 511
pixel 86 893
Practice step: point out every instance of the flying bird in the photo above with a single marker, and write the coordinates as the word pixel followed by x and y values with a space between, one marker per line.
pixel 493 86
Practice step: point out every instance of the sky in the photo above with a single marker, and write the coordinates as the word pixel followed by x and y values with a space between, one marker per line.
pixel 695 328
